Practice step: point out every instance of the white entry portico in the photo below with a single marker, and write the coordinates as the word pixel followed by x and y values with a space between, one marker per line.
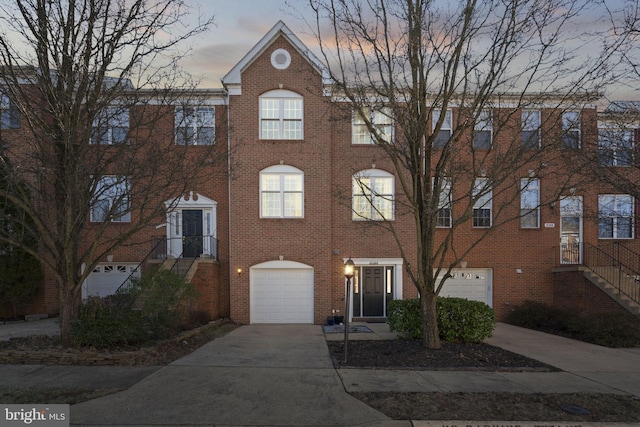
pixel 191 226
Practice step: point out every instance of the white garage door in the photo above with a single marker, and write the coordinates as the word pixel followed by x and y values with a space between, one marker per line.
pixel 472 284
pixel 281 292
pixel 105 279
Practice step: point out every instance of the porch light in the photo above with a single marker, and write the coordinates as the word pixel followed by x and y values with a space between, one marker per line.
pixel 348 274
pixel 239 271
pixel 348 269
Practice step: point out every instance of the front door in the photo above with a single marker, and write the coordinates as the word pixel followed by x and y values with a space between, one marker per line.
pixel 571 230
pixel 192 233
pixel 373 291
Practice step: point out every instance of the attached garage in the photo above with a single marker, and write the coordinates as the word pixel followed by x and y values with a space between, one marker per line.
pixel 281 292
pixel 472 284
pixel 106 278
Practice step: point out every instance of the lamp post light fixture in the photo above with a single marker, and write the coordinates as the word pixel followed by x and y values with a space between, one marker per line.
pixel 348 274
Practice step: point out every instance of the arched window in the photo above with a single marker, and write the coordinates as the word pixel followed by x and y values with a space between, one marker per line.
pixel 281 114
pixel 281 192
pixel 373 195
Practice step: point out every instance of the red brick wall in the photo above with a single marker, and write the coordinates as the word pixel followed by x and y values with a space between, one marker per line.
pixel 573 291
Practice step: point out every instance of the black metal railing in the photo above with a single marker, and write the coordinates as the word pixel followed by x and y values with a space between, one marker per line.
pixel 571 253
pixel 191 247
pixel 153 253
pixel 618 265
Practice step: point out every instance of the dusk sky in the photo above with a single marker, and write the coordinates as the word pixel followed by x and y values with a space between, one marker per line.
pixel 240 24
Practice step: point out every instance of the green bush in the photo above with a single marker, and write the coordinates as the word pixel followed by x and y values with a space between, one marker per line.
pixel 149 309
pixel 103 323
pixel 462 320
pixel 459 320
pixel 542 317
pixel 405 318
pixel 615 329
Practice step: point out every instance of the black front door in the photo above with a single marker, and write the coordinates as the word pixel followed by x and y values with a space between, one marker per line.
pixel 373 291
pixel 191 233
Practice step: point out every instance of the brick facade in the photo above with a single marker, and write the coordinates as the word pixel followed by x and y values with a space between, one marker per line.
pixel 519 261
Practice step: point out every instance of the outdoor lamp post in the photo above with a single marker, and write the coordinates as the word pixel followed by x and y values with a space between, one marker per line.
pixel 348 274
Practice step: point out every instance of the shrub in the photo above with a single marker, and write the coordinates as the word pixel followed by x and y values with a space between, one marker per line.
pixel 542 317
pixel 405 318
pixel 462 320
pixel 616 329
pixel 459 320
pixel 103 323
pixel 148 310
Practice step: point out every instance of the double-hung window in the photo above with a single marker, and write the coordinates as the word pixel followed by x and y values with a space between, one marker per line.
pixel 483 131
pixel 446 130
pixel 530 122
pixel 111 200
pixel 571 130
pixel 615 147
pixel 281 115
pixel 615 216
pixel 9 114
pixel 281 192
pixel 110 126
pixel 530 203
pixel 443 215
pixel 195 125
pixel 483 196
pixel 381 120
pixel 373 195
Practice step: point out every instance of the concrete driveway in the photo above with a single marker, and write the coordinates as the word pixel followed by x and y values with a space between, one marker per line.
pixel 256 375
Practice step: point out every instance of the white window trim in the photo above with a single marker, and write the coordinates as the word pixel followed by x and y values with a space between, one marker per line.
pixel 109 194
pixel 444 201
pixel 373 114
pixel 193 120
pixel 109 119
pixel 529 185
pixel 373 213
pixel 281 171
pixel 614 148
pixel 447 124
pixel 280 95
pixel 616 216
pixel 527 126
pixel 483 202
pixel 484 124
pixel 571 126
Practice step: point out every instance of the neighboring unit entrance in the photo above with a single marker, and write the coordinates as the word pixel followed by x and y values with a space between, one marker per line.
pixel 571 230
pixel 192 233
pixel 281 292
pixel 372 290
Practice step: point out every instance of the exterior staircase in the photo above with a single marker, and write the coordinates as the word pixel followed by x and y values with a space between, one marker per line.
pixel 616 271
pixel 617 285
pixel 183 267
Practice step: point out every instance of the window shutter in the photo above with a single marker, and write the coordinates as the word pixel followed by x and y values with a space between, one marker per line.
pixel 636 218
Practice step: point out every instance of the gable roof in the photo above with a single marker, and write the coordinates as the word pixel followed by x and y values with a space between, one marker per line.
pixel 233 79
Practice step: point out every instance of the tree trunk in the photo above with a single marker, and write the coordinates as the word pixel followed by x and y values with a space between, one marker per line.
pixel 430 320
pixel 68 310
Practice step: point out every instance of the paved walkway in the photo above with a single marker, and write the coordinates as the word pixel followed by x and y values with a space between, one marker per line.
pixel 282 375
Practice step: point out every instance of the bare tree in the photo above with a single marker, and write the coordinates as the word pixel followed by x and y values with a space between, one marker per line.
pixel 458 81
pixel 88 91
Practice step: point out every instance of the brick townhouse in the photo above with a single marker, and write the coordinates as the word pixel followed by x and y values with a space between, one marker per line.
pixel 289 214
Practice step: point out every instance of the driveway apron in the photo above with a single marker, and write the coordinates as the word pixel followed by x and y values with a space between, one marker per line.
pixel 255 375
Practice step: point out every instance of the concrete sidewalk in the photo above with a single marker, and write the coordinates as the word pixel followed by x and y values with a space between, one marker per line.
pixel 283 375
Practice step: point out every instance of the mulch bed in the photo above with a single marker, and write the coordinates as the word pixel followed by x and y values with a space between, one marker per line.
pixel 410 354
